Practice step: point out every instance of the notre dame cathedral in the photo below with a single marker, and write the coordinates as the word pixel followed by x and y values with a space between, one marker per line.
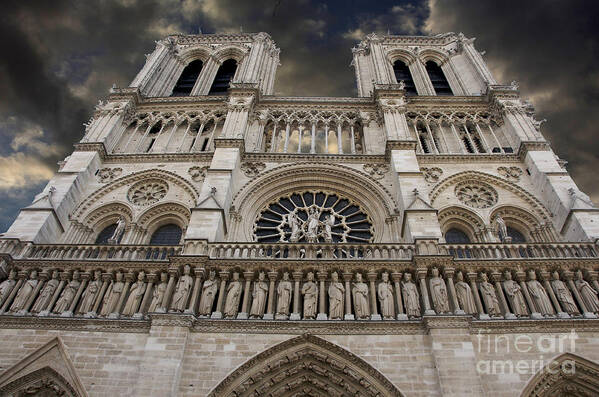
pixel 209 238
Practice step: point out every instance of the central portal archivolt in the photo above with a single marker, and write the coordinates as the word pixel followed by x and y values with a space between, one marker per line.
pixel 305 366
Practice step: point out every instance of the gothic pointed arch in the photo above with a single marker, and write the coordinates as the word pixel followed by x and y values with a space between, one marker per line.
pixel 463 219
pixel 305 364
pixel 164 214
pixel 518 218
pixel 190 54
pixel 230 51
pixel 48 371
pixel 566 375
pixel 108 214
pixel 354 185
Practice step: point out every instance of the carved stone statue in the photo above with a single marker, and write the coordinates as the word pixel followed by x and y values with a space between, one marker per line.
pixel 336 294
pixel 118 232
pixel 7 285
pixel 158 293
pixel 295 227
pixel 136 294
pixel 385 295
pixel 514 295
pixel 539 295
pixel 501 228
pixel 438 292
pixel 112 296
pixel 24 292
pixel 313 222
pixel 90 294
pixel 46 293
pixel 284 296
pixel 67 294
pixel 259 297
pixel 587 293
pixel 310 292
pixel 360 296
pixel 564 296
pixel 328 225
pixel 489 296
pixel 183 290
pixel 209 290
pixel 233 295
pixel 464 294
pixel 410 296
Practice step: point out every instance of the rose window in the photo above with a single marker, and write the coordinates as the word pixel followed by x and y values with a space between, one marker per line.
pixel 476 194
pixel 147 192
pixel 313 217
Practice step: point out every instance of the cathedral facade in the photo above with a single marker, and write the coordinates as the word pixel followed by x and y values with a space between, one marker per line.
pixel 209 238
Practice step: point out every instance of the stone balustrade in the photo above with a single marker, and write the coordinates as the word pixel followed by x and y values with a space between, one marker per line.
pixel 90 251
pixel 314 292
pixel 516 250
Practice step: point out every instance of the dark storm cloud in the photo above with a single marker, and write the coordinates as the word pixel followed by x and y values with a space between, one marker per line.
pixel 551 48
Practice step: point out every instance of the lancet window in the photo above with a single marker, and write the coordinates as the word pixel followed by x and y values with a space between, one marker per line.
pixel 402 73
pixel 188 78
pixel 105 234
pixel 438 79
pixel 224 75
pixel 167 235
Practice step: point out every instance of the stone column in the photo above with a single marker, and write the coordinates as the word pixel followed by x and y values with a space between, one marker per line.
pixel 106 278
pixel 421 273
pixel 297 277
pixel 545 276
pixel 374 314
pixel 173 274
pixel 152 277
pixel 568 276
pixel 496 278
pixel 479 305
pixel 129 277
pixel 222 292
pixel 272 276
pixel 85 276
pixel 593 277
pixel 521 277
pixel 322 312
pixel 396 277
pixel 448 273
pixel 43 276
pixel 193 302
pixel 22 276
pixel 247 276
pixel 348 314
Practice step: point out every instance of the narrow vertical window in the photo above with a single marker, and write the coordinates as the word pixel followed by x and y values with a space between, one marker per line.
pixel 402 73
pixel 188 78
pixel 224 75
pixel 438 79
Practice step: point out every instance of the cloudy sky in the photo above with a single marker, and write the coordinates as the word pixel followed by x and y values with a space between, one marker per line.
pixel 59 57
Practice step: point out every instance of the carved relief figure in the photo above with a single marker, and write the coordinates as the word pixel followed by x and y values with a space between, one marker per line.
pixel 46 293
pixel 360 295
pixel 539 295
pixel 7 285
pixel 23 294
pixel 385 295
pixel 514 295
pixel 295 227
pixel 233 296
pixel 310 292
pixel 464 294
pixel 284 295
pixel 209 290
pixel 410 296
pixel 563 295
pixel 328 225
pixel 158 293
pixel 183 290
pixel 118 232
pixel 438 292
pixel 587 293
pixel 259 297
pixel 489 296
pixel 90 294
pixel 112 296
pixel 136 294
pixel 501 228
pixel 67 295
pixel 336 294
pixel 312 232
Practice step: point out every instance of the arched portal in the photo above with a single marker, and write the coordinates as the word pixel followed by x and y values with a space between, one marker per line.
pixel 306 365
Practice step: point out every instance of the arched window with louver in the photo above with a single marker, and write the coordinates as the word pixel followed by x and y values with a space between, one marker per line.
pixel 188 78
pixel 516 236
pixel 224 75
pixel 402 73
pixel 437 77
pixel 167 235
pixel 456 236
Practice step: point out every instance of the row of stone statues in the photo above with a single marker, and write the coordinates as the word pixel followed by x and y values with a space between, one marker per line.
pixel 299 295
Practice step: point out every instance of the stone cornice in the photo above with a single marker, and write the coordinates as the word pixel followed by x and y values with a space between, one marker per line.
pixel 466 158
pixel 74 324
pixel 532 146
pixel 330 158
pixel 92 147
